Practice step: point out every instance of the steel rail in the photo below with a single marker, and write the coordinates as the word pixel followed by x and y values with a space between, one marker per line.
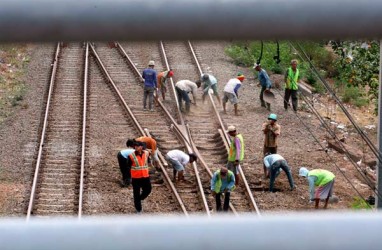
pixel 205 164
pixel 248 190
pixel 108 77
pixel 136 123
pixel 172 84
pixel 83 143
pixel 43 132
pixel 168 179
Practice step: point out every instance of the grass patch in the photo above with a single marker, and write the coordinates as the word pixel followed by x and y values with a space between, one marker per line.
pixel 359 203
pixel 14 59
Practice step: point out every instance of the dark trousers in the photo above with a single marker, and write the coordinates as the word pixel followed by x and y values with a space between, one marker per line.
pixel 138 184
pixel 288 94
pixel 148 92
pixel 272 150
pixel 275 170
pixel 263 103
pixel 219 203
pixel 183 95
pixel 122 161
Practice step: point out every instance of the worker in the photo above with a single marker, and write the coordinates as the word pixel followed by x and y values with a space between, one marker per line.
pixel 265 83
pixel 209 82
pixel 150 85
pixel 273 163
pixel 151 146
pixel 222 182
pixel 236 152
pixel 162 84
pixel 323 180
pixel 122 161
pixel 271 132
pixel 183 88
pixel 178 160
pixel 138 163
pixel 292 77
pixel 231 92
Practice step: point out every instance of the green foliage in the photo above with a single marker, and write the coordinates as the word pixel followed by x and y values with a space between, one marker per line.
pixel 247 53
pixel 358 65
pixel 359 203
pixel 354 95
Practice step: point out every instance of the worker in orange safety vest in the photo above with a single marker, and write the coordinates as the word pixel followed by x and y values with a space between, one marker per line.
pixel 140 179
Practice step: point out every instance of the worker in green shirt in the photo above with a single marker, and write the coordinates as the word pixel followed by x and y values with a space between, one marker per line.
pixel 323 180
pixel 292 76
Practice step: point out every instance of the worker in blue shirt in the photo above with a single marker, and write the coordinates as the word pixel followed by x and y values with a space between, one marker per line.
pixel 273 163
pixel 265 84
pixel 122 156
pixel 223 181
pixel 150 76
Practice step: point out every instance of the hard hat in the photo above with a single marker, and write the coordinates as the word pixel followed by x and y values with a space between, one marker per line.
pixel 170 73
pixel 272 117
pixel 303 172
pixel 151 63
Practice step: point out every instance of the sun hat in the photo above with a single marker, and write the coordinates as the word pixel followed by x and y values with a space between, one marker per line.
pixel 231 128
pixel 151 63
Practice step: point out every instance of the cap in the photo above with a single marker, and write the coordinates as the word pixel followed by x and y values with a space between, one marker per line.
pixel 303 172
pixel 240 76
pixel 256 64
pixel 151 63
pixel 231 128
pixel 272 117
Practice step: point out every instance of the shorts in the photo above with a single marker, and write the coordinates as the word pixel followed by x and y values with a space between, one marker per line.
pixel 231 97
pixel 325 191
pixel 235 169
pixel 175 164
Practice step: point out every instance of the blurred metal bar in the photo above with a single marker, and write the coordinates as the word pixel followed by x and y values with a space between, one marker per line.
pixel 45 20
pixel 313 231
pixel 378 202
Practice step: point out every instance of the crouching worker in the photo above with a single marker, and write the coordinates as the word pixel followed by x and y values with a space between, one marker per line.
pixel 223 181
pixel 273 163
pixel 122 156
pixel 178 160
pixel 323 180
pixel 138 163
pixel 151 145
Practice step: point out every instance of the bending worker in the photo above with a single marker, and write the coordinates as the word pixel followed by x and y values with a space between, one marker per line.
pixel 273 163
pixel 178 160
pixel 151 145
pixel 323 180
pixel 209 81
pixel 223 181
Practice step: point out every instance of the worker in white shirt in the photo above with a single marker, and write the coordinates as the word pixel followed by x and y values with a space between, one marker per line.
pixel 178 160
pixel 230 92
pixel 183 88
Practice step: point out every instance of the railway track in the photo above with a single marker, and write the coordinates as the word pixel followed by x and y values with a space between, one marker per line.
pixel 55 189
pixel 155 122
pixel 205 125
pixel 114 113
